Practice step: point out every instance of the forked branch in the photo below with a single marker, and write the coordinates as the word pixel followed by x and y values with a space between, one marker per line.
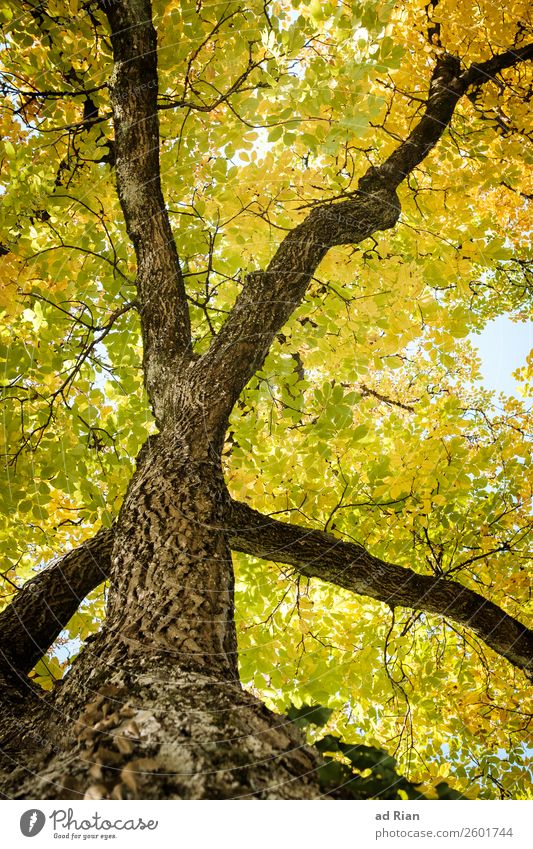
pixel 269 297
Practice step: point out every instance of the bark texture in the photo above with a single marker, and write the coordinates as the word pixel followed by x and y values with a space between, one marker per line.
pixel 44 606
pixel 312 553
pixel 320 555
pixel 150 730
pixel 153 707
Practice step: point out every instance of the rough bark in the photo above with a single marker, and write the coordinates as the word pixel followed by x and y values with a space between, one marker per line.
pixel 312 553
pixel 43 607
pixel 153 707
pixel 155 735
pixel 172 578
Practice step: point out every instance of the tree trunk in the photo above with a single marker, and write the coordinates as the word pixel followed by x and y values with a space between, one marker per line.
pixel 153 707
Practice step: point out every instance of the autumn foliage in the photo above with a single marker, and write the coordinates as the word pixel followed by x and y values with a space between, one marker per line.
pixel 368 419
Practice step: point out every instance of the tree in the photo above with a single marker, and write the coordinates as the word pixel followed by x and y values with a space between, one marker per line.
pixel 243 248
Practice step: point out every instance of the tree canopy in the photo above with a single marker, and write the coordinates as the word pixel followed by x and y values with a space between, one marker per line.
pixel 330 200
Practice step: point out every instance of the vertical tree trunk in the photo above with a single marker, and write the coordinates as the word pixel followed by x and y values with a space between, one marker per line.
pixel 153 708
pixel 172 579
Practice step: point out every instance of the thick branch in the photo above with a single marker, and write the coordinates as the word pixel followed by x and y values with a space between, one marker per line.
pixel 43 607
pixel 269 297
pixel 483 72
pixel 320 555
pixel 161 294
pixel 447 87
